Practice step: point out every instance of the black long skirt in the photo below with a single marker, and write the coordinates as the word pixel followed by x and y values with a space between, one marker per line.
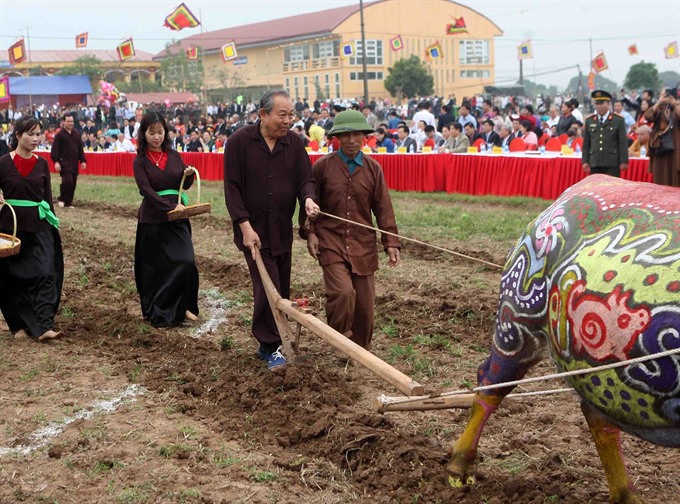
pixel 31 281
pixel 165 272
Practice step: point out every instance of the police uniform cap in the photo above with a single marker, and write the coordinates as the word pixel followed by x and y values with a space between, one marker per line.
pixel 600 95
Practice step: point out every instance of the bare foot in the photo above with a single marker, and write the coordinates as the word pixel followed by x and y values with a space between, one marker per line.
pixel 50 335
pixel 21 334
pixel 60 204
pixel 190 316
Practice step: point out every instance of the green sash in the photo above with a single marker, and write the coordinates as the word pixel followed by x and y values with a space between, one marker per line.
pixel 174 192
pixel 44 210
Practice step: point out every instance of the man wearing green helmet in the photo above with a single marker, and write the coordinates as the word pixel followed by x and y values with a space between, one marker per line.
pixel 352 186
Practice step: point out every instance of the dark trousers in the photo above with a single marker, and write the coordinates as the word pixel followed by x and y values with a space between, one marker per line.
pixel 69 177
pixel 278 267
pixel 350 301
pixel 603 170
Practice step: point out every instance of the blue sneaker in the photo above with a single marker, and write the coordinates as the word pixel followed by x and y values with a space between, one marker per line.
pixel 276 359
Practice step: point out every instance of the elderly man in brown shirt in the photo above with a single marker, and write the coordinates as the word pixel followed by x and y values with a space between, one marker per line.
pixel 266 169
pixel 352 186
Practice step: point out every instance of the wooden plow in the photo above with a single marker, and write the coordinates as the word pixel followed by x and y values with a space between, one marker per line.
pixel 282 307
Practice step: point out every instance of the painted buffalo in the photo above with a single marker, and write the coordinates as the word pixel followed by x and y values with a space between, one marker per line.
pixel 594 280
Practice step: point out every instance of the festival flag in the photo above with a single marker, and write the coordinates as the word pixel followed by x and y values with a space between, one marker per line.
pixel 591 81
pixel 671 50
pixel 125 50
pixel 17 52
pixel 192 53
pixel 81 40
pixel 181 18
pixel 434 51
pixel 600 63
pixel 524 50
pixel 396 43
pixel 4 89
pixel 229 52
pixel 632 50
pixel 458 26
pixel 347 50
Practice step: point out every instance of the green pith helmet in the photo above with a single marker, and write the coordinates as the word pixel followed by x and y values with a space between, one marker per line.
pixel 350 120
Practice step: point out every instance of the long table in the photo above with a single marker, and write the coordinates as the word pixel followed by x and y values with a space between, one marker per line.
pixel 541 176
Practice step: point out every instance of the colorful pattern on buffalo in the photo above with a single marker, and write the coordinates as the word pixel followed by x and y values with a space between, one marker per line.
pixel 596 280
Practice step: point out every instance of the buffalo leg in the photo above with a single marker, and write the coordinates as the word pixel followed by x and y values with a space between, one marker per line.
pixel 607 439
pixel 464 451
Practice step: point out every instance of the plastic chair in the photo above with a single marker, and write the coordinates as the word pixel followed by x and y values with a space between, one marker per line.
pixel 553 145
pixel 563 138
pixel 518 145
pixel 578 142
pixel 543 140
pixel 478 143
pixel 314 145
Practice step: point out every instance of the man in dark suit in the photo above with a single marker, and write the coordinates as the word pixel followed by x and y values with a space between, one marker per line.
pixel 404 140
pixel 490 137
pixel 471 133
pixel 605 145
pixel 446 117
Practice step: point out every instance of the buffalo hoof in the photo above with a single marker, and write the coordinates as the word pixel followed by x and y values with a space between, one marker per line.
pixel 457 481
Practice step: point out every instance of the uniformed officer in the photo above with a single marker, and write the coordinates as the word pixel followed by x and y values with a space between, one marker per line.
pixel 605 145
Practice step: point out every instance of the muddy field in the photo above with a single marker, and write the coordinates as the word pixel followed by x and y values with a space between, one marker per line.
pixel 120 412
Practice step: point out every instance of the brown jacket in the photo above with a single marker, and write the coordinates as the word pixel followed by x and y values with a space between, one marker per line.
pixel 67 149
pixel 352 197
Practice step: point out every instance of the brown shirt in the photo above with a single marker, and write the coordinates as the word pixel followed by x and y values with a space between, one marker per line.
pixel 352 197
pixel 151 179
pixel 34 187
pixel 261 186
pixel 67 149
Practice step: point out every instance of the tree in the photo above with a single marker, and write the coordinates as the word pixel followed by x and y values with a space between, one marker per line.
pixel 409 77
pixel 600 83
pixel 231 81
pixel 642 76
pixel 85 65
pixel 180 73
pixel 669 79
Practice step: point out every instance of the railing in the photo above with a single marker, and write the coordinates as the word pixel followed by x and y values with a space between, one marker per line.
pixel 315 64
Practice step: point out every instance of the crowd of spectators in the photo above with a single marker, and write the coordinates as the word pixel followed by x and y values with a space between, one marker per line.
pixel 421 124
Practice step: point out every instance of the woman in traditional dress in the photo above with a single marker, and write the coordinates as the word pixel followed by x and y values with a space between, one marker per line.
pixel 664 157
pixel 30 281
pixel 165 268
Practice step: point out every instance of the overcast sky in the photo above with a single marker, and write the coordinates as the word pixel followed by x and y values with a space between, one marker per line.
pixel 559 29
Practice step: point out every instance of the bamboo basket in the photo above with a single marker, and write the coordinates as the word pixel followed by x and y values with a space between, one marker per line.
pixel 9 244
pixel 190 210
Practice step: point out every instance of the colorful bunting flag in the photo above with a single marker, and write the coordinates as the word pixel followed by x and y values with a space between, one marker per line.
pixel 347 50
pixel 181 18
pixel 81 40
pixel 396 43
pixel 17 52
pixel 229 52
pixel 192 53
pixel 458 26
pixel 4 89
pixel 591 81
pixel 632 50
pixel 671 50
pixel 600 63
pixel 524 50
pixel 125 50
pixel 434 51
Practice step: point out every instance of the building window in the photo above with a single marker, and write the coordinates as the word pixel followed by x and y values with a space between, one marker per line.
pixel 374 53
pixel 297 91
pixel 288 85
pixel 369 76
pixel 474 74
pixel 474 52
pixel 305 87
pixel 325 49
pixel 337 85
pixel 296 53
pixel 327 80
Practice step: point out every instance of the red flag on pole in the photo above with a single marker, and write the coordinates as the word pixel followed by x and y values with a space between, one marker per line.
pixel 632 50
pixel 126 50
pixel 181 18
pixel 17 52
pixel 600 63
pixel 4 89
pixel 192 53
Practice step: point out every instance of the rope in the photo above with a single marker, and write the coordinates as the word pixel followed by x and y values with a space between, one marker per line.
pixel 575 372
pixel 413 240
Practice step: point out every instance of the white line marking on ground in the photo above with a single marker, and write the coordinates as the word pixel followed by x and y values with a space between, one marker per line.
pixel 41 437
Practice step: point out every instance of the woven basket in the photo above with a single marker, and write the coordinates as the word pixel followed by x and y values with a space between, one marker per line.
pixel 9 244
pixel 190 210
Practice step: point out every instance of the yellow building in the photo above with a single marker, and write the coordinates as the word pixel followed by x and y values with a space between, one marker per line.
pixel 301 53
pixel 50 62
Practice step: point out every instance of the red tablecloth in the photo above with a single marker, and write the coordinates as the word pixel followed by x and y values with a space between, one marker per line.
pixel 537 176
